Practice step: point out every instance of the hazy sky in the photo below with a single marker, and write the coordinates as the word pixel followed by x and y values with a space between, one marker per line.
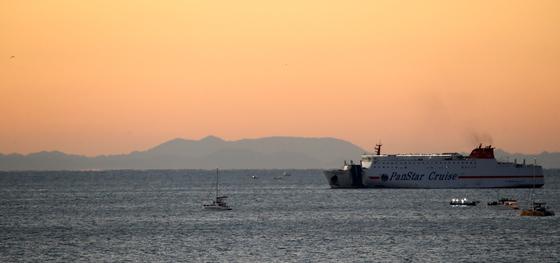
pixel 93 77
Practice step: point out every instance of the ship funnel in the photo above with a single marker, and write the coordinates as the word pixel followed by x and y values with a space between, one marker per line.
pixel 483 152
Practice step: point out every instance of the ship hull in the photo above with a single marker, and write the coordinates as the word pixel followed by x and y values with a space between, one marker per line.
pixel 428 178
pixel 346 178
pixel 343 181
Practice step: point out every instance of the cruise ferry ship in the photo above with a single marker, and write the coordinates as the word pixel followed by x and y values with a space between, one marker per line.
pixel 480 169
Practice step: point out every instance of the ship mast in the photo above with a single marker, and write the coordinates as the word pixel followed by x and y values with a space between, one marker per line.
pixel 378 148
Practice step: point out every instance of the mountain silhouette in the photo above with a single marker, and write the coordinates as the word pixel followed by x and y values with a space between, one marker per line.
pixel 207 153
pixel 213 152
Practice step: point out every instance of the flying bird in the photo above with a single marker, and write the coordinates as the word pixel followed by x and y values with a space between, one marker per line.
pixel 12 57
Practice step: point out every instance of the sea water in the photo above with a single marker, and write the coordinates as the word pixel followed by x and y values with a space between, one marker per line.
pixel 157 216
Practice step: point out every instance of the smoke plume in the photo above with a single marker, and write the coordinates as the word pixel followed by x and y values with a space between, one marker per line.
pixel 476 138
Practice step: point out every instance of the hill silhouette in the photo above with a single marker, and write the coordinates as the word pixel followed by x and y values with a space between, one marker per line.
pixel 208 153
pixel 213 152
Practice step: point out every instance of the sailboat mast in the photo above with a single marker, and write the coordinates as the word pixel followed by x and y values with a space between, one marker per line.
pixel 533 188
pixel 217 183
pixel 532 204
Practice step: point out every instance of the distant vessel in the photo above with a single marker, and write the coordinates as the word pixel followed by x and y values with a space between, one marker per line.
pixel 286 174
pixel 462 202
pixel 505 202
pixel 512 204
pixel 219 203
pixel 537 209
pixel 501 201
pixel 480 169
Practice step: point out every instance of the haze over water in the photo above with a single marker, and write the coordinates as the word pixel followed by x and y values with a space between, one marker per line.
pixel 158 216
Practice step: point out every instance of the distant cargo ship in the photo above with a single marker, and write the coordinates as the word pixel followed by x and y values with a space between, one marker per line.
pixel 480 169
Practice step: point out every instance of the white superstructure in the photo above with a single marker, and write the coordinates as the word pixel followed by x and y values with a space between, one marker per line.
pixel 446 170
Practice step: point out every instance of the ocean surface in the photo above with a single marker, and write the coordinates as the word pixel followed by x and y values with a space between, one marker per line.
pixel 147 216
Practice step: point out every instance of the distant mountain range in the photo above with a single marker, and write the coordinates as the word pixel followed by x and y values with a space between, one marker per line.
pixel 212 152
pixel 546 159
pixel 208 153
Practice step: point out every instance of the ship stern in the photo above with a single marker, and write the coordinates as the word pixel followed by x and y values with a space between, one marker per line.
pixel 348 177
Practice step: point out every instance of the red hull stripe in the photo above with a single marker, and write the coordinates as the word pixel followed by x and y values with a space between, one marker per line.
pixel 484 177
pixel 499 177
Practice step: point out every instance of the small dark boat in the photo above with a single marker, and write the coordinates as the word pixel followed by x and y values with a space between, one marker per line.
pixel 505 202
pixel 502 201
pixel 218 204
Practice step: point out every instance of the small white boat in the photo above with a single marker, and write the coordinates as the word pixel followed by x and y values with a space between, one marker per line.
pixel 220 202
pixel 462 202
pixel 286 174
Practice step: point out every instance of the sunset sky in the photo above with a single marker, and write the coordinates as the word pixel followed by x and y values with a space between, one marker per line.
pixel 102 77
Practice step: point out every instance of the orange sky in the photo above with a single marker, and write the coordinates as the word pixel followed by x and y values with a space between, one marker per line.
pixel 99 77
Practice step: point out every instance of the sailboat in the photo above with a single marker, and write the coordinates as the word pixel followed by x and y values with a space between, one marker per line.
pixel 537 208
pixel 220 202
